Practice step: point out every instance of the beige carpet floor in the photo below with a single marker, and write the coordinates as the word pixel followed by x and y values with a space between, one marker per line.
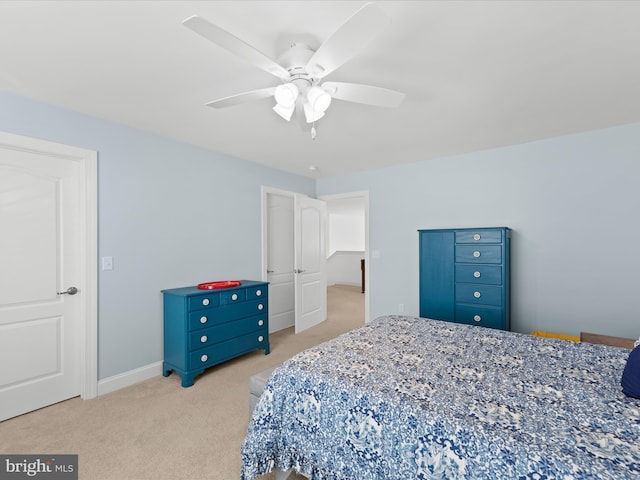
pixel 158 430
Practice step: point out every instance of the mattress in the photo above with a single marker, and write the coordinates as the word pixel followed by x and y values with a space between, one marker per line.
pixel 406 397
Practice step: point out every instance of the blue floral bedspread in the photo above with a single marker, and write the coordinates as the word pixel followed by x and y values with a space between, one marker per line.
pixel 410 398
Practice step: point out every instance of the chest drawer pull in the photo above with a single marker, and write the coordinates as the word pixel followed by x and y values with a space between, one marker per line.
pixel 476 274
pixel 476 254
pixel 258 293
pixel 260 323
pixel 260 306
pixel 204 358
pixel 205 301
pixel 260 338
pixel 476 294
pixel 477 318
pixel 234 296
pixel 203 339
pixel 476 236
pixel 203 319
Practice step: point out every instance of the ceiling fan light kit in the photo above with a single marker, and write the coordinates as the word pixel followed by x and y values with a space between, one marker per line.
pixel 284 112
pixel 318 99
pixel 310 114
pixel 301 69
pixel 286 95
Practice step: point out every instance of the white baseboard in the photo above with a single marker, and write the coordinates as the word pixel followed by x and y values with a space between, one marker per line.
pixel 116 382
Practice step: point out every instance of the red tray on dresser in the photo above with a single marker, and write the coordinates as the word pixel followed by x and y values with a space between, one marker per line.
pixel 219 284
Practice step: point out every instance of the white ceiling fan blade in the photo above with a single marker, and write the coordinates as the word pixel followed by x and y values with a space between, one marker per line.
pixel 345 42
pixel 235 45
pixel 243 98
pixel 367 94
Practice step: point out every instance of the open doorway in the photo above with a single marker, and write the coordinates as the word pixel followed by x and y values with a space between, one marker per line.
pixel 280 264
pixel 348 252
pixel 294 258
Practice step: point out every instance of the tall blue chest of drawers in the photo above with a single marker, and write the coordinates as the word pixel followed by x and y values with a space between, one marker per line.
pixel 464 276
pixel 203 328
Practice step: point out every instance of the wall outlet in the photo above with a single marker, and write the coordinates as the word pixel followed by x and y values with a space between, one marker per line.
pixel 401 307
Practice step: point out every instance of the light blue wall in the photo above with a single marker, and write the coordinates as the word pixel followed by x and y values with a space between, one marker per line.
pixel 171 215
pixel 573 203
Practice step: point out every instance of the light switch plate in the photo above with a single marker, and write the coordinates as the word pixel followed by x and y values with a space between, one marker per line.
pixel 107 263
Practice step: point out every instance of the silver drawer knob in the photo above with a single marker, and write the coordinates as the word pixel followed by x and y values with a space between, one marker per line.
pixel 477 318
pixel 476 237
pixel 204 358
pixel 205 301
pixel 258 293
pixel 260 338
pixel 234 296
pixel 203 339
pixel 476 253
pixel 260 323
pixel 260 307
pixel 203 319
pixel 476 294
pixel 476 274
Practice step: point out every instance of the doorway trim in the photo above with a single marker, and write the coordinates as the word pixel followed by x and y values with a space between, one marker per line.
pixel 87 161
pixel 364 195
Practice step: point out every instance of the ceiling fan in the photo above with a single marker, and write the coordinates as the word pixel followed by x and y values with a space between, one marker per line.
pixel 302 70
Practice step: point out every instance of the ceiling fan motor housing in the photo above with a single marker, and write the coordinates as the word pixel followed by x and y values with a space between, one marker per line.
pixel 295 61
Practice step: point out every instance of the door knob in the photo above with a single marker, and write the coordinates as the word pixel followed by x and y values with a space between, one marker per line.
pixel 298 271
pixel 69 291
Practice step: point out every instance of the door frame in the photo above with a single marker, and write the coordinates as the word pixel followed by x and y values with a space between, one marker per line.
pixel 87 161
pixel 364 194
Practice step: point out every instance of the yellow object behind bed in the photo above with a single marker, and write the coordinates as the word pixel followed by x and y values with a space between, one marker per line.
pixel 538 333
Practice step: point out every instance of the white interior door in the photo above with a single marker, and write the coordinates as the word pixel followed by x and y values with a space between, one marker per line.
pixel 41 248
pixel 280 260
pixel 310 267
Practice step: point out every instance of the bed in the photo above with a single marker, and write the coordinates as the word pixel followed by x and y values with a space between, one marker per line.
pixel 412 398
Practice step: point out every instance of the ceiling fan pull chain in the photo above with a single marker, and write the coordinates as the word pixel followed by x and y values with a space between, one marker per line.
pixel 313 131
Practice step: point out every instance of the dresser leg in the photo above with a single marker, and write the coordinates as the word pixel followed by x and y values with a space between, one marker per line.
pixel 267 350
pixel 165 370
pixel 187 380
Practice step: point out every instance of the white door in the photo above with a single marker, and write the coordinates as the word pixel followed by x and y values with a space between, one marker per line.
pixel 40 258
pixel 310 268
pixel 280 260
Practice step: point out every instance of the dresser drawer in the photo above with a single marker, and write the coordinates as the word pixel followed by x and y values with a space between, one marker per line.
pixel 256 292
pixel 233 296
pixel 487 274
pixel 224 331
pixel 226 313
pixel 222 351
pixel 479 236
pixel 478 254
pixel 478 294
pixel 204 301
pixel 479 315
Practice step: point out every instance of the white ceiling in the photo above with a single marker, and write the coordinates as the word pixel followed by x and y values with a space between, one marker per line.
pixel 477 74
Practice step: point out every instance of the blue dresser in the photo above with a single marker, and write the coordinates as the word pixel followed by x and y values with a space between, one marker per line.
pixel 203 328
pixel 464 276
